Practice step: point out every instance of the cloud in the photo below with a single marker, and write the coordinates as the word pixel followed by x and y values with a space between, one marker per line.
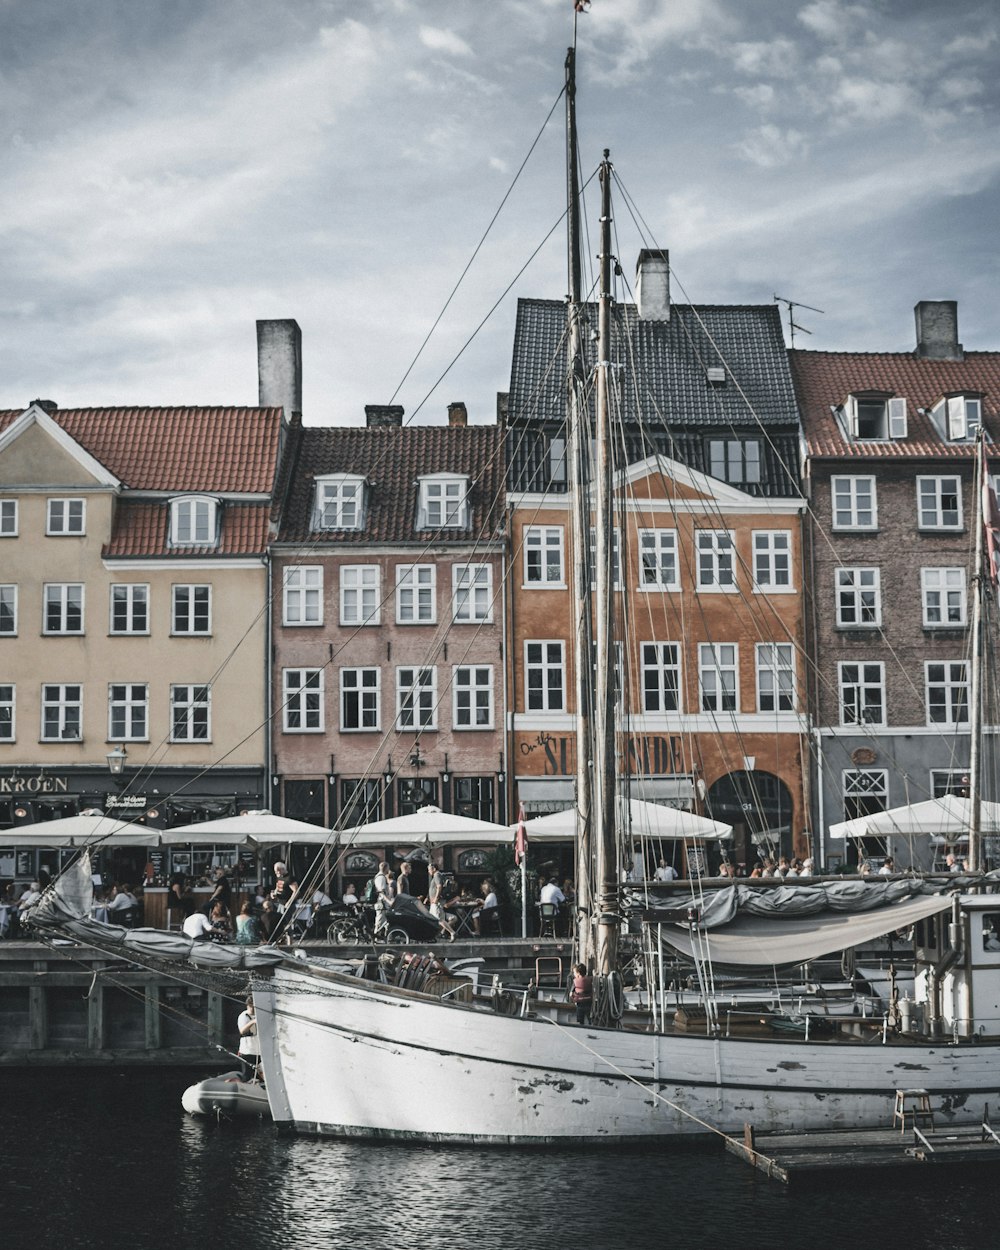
pixel 439 40
pixel 775 58
pixel 638 29
pixel 831 20
pixel 762 96
pixel 769 146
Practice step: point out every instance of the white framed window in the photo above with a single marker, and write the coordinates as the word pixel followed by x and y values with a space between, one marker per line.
pixel 939 503
pixel 8 710
pixel 735 460
pixel 8 610
pixel 658 564
pixel 443 502
pixel 544 676
pixel 772 560
pixel 544 557
pixel 302 700
pixel 416 698
pixel 191 610
pixel 855 503
pixel 339 502
pixel 8 518
pixel 876 417
pixel 865 791
pixel 718 676
pixel 947 686
pixel 62 713
pixel 360 594
pixel 942 593
pixel 859 598
pixel 959 416
pixel 128 712
pixel 716 560
pixel 129 608
pixel 862 693
pixel 63 610
pixel 661 676
pixel 302 595
pixel 472 695
pixel 949 781
pixel 194 521
pixel 416 588
pixel 775 677
pixel 616 559
pixel 557 458
pixel 472 593
pixel 360 689
pixel 190 713
pixel 66 518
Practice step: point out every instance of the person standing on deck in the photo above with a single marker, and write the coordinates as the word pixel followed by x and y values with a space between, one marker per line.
pixel 249 1044
pixel 385 892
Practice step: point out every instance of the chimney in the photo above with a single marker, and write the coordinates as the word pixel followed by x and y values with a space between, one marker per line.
pixel 46 405
pixel 937 330
pixel 279 366
pixel 383 416
pixel 652 281
pixel 458 416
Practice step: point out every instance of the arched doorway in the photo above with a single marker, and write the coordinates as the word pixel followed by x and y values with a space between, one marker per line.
pixel 759 808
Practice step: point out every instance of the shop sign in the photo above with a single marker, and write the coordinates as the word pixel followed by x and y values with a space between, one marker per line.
pixel 125 800
pixel 648 755
pixel 42 784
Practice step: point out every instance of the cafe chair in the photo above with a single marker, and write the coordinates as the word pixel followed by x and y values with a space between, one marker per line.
pixel 548 914
pixel 489 923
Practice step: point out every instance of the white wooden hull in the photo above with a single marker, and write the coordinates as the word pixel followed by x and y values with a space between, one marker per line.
pixel 349 1058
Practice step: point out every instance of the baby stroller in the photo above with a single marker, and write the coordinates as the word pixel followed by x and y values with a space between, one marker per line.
pixel 410 921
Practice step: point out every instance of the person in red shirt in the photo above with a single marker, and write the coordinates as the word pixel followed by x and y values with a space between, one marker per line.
pixel 582 992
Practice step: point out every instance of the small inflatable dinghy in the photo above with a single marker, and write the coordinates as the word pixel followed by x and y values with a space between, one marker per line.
pixel 226 1095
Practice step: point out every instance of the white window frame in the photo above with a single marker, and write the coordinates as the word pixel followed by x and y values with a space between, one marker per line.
pixel 185 705
pixel 942 591
pixel 416 697
pixel 472 694
pixel 931 491
pixel 859 591
pixel 716 555
pixel 367 695
pixel 865 783
pixel 952 681
pixel 416 594
pixel 339 502
pixel 360 590
pixel 444 502
pixel 870 676
pixel 8 600
pixel 720 662
pixel 66 517
pixel 544 556
pixel 302 698
pixel 302 595
pixel 960 416
pixel 772 562
pixel 191 615
pixel 948 781
pixel 194 521
pixel 729 460
pixel 658 555
pixel 63 705
pixel 472 594
pixel 136 595
pixel 8 711
pixel 57 595
pixel 551 659
pixel 126 699
pixel 775 677
pixel 850 515
pixel 661 677
pixel 8 518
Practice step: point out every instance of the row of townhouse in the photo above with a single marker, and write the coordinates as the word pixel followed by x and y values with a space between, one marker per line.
pixel 348 623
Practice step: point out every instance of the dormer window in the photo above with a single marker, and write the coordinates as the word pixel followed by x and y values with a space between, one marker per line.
pixel 443 502
pixel 339 503
pixel 874 416
pixel 959 417
pixel 194 521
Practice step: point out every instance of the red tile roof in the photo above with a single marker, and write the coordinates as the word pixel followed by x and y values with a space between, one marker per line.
pixel 141 529
pixel 218 450
pixel 823 379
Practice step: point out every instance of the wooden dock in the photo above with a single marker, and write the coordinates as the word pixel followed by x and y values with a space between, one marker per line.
pixel 795 1156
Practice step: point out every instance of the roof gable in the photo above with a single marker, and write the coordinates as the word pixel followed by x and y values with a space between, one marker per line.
pixel 36 451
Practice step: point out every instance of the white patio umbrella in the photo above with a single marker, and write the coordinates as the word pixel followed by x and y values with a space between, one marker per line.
pixel 649 820
pixel 427 825
pixel 257 829
pixel 85 829
pixel 948 815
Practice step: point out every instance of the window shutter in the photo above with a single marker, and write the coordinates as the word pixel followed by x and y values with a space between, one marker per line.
pixel 897 417
pixel 851 415
pixel 956 417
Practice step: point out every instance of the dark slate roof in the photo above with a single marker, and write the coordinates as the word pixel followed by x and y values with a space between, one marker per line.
pixel 392 459
pixel 141 530
pixel 825 379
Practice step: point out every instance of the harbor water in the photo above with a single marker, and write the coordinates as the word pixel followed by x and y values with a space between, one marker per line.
pixel 102 1157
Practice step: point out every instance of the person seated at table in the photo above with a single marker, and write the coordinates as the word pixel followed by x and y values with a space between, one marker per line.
pixel 247 931
pixel 485 919
pixel 123 898
pixel 268 918
pixel 29 897
pixel 322 906
pixel 198 927
pixel 221 923
pixel 350 896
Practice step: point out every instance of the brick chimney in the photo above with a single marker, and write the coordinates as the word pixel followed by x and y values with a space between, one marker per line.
pixel 279 366
pixel 458 415
pixel 652 284
pixel 383 416
pixel 937 330
pixel 46 405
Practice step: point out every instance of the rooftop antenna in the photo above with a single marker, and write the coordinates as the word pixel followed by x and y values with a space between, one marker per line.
pixel 792 324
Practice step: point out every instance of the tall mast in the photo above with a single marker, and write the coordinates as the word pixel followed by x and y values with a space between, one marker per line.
pixel 975 685
pixel 605 763
pixel 576 447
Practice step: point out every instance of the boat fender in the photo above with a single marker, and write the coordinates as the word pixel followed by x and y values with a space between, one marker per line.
pixel 616 995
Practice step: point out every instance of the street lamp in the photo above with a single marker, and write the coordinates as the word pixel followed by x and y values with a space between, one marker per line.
pixel 116 760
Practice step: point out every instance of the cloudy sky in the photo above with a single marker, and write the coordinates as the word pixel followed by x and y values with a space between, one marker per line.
pixel 175 169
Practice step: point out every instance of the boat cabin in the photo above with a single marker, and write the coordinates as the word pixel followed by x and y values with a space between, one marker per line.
pixel 957 982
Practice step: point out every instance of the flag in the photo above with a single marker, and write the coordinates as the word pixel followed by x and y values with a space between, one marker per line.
pixel 991 521
pixel 520 836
